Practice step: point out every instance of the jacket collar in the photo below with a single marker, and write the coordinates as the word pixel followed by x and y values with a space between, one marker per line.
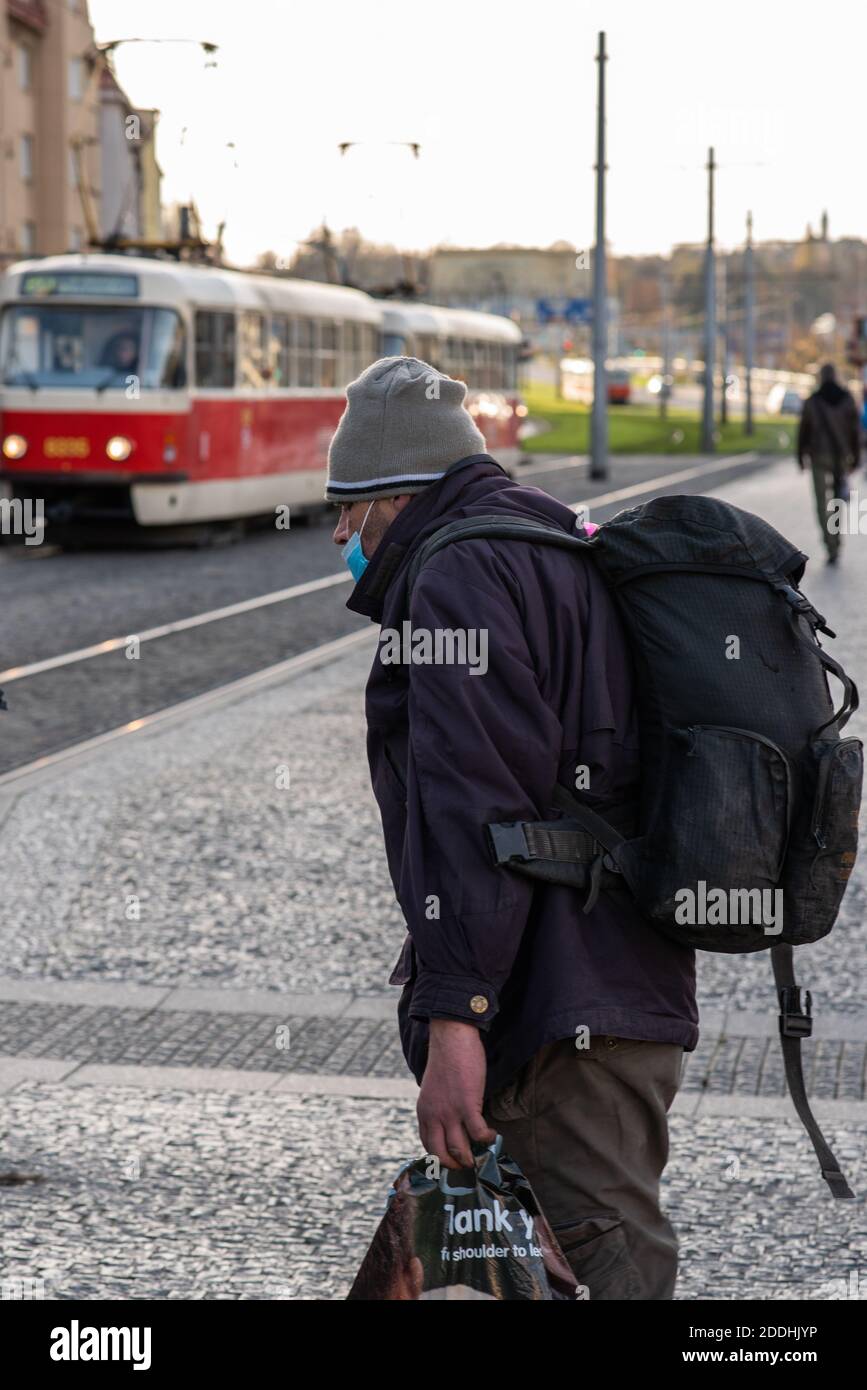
pixel 368 596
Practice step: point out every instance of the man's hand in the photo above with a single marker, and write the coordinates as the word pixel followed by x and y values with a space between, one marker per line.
pixel 449 1106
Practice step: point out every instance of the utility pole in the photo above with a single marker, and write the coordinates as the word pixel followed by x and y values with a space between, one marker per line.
pixel 666 347
pixel 749 322
pixel 724 326
pixel 707 430
pixel 599 418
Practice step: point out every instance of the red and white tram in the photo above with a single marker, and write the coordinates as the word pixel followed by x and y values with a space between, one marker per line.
pixel 479 349
pixel 171 393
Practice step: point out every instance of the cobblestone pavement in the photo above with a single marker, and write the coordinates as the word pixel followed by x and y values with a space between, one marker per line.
pixel 176 1195
pixel 284 1042
pixel 224 1164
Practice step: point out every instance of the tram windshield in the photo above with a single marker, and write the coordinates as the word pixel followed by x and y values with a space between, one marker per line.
pixel 91 346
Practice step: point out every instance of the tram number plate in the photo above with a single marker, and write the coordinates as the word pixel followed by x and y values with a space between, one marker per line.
pixel 63 447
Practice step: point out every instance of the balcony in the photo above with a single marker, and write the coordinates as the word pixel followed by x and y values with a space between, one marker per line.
pixel 31 13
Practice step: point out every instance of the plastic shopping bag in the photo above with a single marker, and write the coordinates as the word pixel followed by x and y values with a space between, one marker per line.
pixel 463 1233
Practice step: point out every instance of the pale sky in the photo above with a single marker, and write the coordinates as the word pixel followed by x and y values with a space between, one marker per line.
pixel 502 99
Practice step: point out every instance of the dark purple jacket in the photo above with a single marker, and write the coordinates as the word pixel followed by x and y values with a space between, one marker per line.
pixel 450 751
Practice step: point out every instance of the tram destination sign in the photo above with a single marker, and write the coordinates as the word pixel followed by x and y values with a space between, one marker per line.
pixel 99 284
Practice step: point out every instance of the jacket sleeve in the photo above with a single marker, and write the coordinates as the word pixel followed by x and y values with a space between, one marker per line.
pixel 853 431
pixel 483 746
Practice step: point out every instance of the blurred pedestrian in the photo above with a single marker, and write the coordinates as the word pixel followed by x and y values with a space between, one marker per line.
pixel 829 435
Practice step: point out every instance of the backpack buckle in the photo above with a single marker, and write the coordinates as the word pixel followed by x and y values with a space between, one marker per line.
pixel 795 1022
pixel 508 842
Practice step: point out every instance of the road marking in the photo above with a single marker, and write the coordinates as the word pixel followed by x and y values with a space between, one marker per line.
pixel 314 656
pixel 718 466
pixel 112 644
pixel 524 470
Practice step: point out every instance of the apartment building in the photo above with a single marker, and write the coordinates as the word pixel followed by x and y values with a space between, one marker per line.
pixel 77 161
pixel 49 126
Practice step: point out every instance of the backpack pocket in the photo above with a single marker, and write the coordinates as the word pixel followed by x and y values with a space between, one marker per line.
pixel 706 870
pixel 822 856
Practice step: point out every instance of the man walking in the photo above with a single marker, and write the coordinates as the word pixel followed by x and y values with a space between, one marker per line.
pixel 829 435
pixel 519 1012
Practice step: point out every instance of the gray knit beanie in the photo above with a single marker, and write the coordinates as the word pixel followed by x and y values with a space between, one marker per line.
pixel 403 425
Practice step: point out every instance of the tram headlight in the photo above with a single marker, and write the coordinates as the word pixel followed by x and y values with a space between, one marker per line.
pixel 14 446
pixel 118 448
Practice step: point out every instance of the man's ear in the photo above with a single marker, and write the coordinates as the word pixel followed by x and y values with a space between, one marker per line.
pixel 401 500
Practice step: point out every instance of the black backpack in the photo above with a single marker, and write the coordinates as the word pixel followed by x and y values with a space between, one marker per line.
pixel 746 827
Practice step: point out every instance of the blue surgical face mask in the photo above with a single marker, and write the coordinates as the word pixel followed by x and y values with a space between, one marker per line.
pixel 353 555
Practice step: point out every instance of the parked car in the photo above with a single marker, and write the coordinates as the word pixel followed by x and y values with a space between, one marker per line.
pixel 783 400
pixel 618 386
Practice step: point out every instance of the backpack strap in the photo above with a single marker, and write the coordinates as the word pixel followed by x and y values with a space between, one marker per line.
pixel 797 1023
pixel 800 606
pixel 489 526
pixel 575 850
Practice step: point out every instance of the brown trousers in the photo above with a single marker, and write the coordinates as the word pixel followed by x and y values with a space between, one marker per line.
pixel 589 1128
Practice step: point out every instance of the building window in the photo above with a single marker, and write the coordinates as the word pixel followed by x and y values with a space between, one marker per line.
pixel 76 79
pixel 25 67
pixel 215 348
pixel 253 350
pixel 27 158
pixel 28 238
pixel 75 239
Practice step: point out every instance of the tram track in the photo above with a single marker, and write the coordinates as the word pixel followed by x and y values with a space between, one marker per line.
pixel 152 692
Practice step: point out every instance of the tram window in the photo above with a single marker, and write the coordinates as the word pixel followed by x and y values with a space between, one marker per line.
pixel 74 346
pixel 215 348
pixel 306 352
pixel 329 338
pixel 481 368
pixel 280 350
pixel 164 351
pixel 427 349
pixel 253 352
pixel 304 329
pixel 351 359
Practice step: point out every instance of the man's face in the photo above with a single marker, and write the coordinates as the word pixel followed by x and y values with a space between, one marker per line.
pixel 382 514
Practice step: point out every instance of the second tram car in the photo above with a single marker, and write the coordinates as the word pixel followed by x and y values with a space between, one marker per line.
pixel 480 349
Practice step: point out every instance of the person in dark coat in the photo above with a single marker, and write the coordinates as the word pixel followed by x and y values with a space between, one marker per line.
pixel 519 1013
pixel 829 434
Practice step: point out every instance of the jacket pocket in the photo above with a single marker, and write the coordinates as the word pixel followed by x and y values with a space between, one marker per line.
pixel 721 818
